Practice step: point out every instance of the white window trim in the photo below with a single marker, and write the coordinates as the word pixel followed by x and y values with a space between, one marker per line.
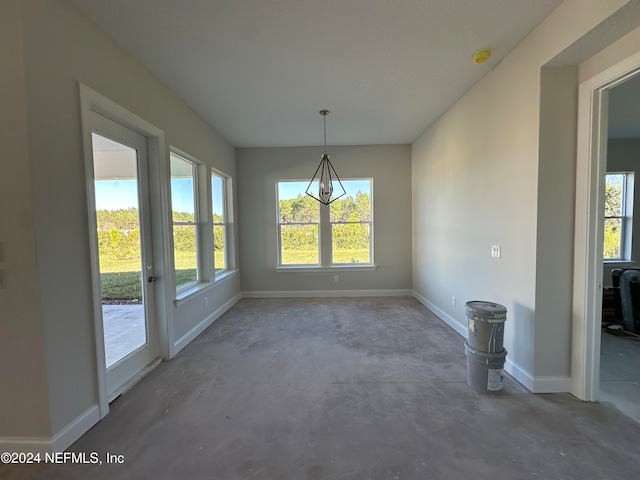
pixel 197 197
pixel 279 225
pixel 207 277
pixel 370 223
pixel 225 222
pixel 325 254
pixel 357 267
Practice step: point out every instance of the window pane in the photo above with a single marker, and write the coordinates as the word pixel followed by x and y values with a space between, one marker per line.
pixel 355 206
pixel 186 259
pixel 118 218
pixel 219 257
pixel 350 243
pixel 613 206
pixel 217 199
pixel 219 222
pixel 299 244
pixel 182 190
pixel 294 206
pixel 612 237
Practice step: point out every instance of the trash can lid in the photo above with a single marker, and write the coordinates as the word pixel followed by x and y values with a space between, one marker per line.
pixel 485 309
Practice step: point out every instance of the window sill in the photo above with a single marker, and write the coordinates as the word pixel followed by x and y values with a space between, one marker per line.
pixel 195 291
pixel 335 268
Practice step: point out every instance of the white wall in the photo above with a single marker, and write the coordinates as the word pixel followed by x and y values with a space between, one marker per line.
pixel 24 409
pixel 258 171
pixel 555 220
pixel 494 171
pixel 623 155
pixel 61 48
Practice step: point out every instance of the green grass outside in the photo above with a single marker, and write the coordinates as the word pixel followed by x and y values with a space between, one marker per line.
pixel 121 279
pixel 310 257
pixel 299 257
pixel 351 256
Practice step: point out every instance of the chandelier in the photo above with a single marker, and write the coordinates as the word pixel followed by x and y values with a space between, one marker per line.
pixel 325 185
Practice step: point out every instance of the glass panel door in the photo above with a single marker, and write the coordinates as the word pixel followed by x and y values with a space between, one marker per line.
pixel 124 250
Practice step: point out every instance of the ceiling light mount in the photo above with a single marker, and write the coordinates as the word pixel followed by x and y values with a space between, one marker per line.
pixel 325 181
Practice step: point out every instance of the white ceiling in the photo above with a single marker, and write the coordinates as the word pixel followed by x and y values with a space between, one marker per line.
pixel 258 71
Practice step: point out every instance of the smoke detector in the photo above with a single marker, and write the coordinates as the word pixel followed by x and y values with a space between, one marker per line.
pixel 481 56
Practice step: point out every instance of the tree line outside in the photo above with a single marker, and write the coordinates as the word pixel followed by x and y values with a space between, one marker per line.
pixel 350 241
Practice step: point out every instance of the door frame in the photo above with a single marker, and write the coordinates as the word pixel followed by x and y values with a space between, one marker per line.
pixel 92 101
pixel 591 166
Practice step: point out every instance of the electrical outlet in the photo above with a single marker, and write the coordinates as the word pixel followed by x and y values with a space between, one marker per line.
pixel 453 301
pixel 496 251
pixel 336 278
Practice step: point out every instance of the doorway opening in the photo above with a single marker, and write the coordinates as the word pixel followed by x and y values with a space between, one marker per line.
pixel 597 363
pixel 619 375
pixel 125 204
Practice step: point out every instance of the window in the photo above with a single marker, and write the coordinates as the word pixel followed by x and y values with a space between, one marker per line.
pixel 340 235
pixel 298 225
pixel 219 220
pixel 184 214
pixel 200 213
pixel 618 216
pixel 351 224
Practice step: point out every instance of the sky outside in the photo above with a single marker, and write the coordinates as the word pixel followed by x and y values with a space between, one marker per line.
pixel 123 194
pixel 288 190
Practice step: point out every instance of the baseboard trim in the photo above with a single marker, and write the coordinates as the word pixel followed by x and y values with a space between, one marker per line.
pixel 537 384
pixel 442 315
pixel 519 373
pixel 39 445
pixel 327 293
pixel 551 385
pixel 188 337
pixel 74 430
pixel 59 442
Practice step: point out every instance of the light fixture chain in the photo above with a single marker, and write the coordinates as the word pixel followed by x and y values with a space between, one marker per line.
pixel 324 118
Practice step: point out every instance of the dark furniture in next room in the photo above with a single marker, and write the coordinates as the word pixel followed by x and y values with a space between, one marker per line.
pixel 626 290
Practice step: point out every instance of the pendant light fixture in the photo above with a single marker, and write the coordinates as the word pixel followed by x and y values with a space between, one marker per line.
pixel 325 185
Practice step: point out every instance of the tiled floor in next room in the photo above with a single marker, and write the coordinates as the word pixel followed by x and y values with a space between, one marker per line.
pixel 620 373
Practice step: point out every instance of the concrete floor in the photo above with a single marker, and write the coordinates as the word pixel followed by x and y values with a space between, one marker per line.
pixel 351 388
pixel 124 330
